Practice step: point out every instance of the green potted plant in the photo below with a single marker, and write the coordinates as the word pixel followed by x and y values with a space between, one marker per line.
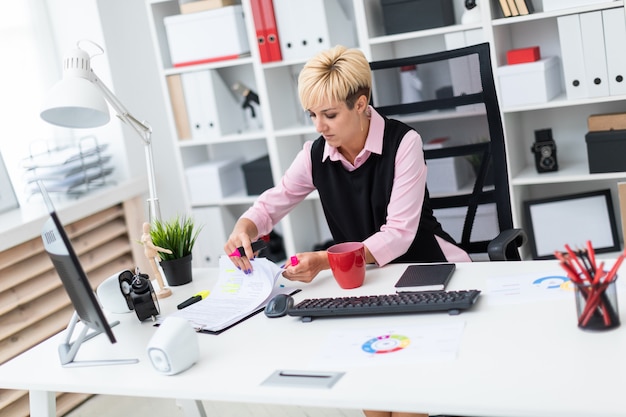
pixel 178 235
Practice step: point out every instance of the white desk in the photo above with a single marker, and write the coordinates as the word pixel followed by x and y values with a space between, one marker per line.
pixel 525 359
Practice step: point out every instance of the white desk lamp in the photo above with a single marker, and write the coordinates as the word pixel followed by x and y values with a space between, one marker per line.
pixel 78 101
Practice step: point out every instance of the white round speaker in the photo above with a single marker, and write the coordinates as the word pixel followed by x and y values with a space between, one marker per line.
pixel 174 347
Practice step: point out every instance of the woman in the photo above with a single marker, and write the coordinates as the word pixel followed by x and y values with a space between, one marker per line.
pixel 368 170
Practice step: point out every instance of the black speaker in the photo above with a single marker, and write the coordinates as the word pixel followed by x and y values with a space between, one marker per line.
pixel 544 149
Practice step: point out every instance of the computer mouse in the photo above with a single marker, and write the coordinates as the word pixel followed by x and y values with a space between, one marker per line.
pixel 278 305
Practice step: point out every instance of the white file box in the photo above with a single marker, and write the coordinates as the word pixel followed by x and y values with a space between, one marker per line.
pixel 530 83
pixel 214 180
pixel 202 37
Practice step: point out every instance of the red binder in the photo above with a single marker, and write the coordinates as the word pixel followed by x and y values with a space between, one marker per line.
pixel 271 32
pixel 259 25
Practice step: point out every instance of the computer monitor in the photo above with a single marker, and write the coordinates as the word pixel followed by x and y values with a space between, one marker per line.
pixel 87 308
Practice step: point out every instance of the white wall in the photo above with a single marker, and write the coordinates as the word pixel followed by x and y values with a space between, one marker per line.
pixel 130 70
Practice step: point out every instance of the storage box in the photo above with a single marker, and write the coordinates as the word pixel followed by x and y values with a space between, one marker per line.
pixel 409 15
pixel 550 5
pixel 203 5
pixel 606 150
pixel 485 223
pixel 530 83
pixel 213 35
pixel 214 180
pixel 447 175
pixel 523 55
pixel 258 175
pixel 609 121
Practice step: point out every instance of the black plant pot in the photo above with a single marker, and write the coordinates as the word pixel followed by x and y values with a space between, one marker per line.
pixel 177 271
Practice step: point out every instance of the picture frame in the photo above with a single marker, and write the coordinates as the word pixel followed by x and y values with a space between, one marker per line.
pixel 8 199
pixel 553 222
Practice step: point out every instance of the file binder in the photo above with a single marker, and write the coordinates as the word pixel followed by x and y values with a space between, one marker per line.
pixel 266 30
pixel 308 27
pixel 179 108
pixel 203 91
pixel 573 61
pixel 465 71
pixel 513 8
pixel 594 53
pixel 259 27
pixel 271 30
pixel 614 40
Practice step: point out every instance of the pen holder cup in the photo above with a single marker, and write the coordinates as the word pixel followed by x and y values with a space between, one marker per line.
pixel 596 306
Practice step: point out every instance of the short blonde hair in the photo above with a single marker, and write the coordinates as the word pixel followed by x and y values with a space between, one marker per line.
pixel 338 74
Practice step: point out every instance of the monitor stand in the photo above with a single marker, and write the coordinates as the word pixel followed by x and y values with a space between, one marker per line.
pixel 69 348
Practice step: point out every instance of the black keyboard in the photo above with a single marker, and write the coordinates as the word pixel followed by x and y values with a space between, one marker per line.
pixel 415 302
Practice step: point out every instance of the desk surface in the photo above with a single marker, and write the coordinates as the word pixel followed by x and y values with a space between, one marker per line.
pixel 515 359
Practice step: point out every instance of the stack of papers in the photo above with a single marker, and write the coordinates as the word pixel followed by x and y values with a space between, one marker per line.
pixel 235 297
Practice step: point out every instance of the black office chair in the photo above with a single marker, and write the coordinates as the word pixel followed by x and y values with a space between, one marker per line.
pixel 491 154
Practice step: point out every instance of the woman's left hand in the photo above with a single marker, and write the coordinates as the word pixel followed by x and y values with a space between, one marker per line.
pixel 309 265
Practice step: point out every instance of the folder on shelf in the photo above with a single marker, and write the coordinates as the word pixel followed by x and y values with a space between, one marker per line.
pixel 266 30
pixel 179 108
pixel 594 53
pixel 524 7
pixel 259 27
pixel 465 71
pixel 211 107
pixel 614 40
pixel 573 60
pixel 506 11
pixel 513 8
pixel 271 30
pixel 308 27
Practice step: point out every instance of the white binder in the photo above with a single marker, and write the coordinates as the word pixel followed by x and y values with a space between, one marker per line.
pixel 212 109
pixel 198 117
pixel 592 34
pixel 572 58
pixel 465 71
pixel 615 41
pixel 307 27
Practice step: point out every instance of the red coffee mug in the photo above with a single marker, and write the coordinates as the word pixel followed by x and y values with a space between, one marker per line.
pixel 347 261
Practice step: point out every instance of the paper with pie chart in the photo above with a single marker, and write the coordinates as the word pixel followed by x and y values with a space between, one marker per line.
pixel 514 289
pixel 394 345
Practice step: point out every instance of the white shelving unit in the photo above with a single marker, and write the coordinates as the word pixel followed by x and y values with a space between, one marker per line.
pixel 285 127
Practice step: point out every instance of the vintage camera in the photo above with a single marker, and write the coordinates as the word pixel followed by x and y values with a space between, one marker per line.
pixel 139 294
pixel 544 149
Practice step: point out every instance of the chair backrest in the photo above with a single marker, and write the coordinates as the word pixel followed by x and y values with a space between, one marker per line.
pixel 465 67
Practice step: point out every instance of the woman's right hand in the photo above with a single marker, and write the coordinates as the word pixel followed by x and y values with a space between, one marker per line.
pixel 241 236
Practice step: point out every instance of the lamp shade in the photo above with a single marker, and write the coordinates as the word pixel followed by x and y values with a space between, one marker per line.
pixel 75 101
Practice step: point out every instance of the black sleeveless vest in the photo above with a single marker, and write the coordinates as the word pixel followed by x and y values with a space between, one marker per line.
pixel 355 203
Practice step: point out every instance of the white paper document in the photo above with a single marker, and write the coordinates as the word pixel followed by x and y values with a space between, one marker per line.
pixel 399 345
pixel 525 288
pixel 235 296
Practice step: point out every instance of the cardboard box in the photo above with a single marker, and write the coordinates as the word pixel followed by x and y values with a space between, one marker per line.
pixel 530 83
pixel 523 55
pixel 609 121
pixel 213 35
pixel 606 150
pixel 203 5
pixel 258 175
pixel 214 180
pixel 401 16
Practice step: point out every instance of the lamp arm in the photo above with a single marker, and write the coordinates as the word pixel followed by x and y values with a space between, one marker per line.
pixel 145 133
